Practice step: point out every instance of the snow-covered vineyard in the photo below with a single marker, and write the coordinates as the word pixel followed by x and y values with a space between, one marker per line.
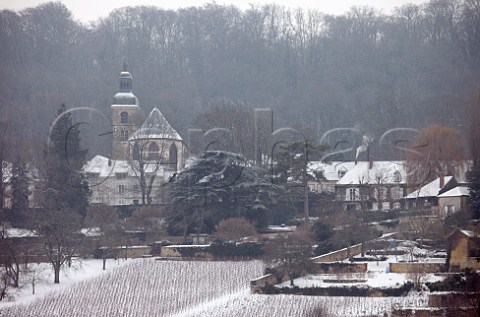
pixel 147 287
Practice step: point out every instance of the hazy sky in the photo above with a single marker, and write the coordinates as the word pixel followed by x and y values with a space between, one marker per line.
pixel 87 10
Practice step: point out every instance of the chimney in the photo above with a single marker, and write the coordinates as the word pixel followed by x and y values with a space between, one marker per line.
pixel 355 161
pixel 442 179
pixel 370 162
pixel 109 162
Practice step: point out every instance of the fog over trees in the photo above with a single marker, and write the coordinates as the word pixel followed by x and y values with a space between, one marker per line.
pixel 363 69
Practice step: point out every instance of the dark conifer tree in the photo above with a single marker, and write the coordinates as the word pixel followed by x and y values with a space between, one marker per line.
pixel 64 185
pixel 20 192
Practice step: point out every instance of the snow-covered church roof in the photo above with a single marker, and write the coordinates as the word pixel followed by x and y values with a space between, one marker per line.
pixel 156 127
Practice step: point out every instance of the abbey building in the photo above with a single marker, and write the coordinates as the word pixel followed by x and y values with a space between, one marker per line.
pixel 146 152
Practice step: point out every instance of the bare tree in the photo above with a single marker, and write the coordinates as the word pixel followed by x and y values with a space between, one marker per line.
pixel 291 254
pixel 10 255
pixel 60 233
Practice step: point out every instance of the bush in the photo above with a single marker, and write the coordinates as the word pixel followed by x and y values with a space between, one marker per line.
pixel 341 291
pixel 466 281
pixel 232 249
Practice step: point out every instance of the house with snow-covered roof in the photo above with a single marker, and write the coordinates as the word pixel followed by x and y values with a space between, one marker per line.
pixel 145 153
pixel 372 185
pixel 327 174
pixel 454 200
pixel 427 195
pixel 463 250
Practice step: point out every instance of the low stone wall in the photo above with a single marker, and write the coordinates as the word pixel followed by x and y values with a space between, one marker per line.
pixel 458 265
pixel 339 268
pixel 256 285
pixel 339 255
pixel 195 251
pixel 408 267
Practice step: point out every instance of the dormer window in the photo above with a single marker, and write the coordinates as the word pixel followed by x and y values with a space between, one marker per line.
pixel 341 172
pixel 124 117
pixel 397 177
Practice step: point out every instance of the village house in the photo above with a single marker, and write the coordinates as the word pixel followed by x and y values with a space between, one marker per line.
pixel 427 196
pixel 454 200
pixel 330 173
pixel 372 185
pixel 463 250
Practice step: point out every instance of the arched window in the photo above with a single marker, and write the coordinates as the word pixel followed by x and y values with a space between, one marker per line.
pixel 397 177
pixel 136 152
pixel 124 135
pixel 153 151
pixel 172 155
pixel 124 117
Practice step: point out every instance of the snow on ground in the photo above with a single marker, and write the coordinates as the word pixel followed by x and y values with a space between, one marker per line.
pixel 146 287
pixel 377 271
pixel 42 276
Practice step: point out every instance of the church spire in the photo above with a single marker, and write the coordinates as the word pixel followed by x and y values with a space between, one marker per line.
pixel 125 78
pixel 125 94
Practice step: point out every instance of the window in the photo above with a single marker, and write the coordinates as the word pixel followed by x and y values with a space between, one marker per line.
pixel 124 135
pixel 351 207
pixel 450 209
pixel 397 177
pixel 342 172
pixel 124 117
pixel 135 202
pixel 136 152
pixel 172 154
pixel 121 189
pixel 381 193
pixel 153 152
pixel 351 194
pixel 396 192
pixel 121 175
pixel 136 189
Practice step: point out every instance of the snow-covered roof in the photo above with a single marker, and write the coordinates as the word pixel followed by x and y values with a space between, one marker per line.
pixel 331 171
pixel 105 167
pixel 156 127
pixel 125 99
pixel 381 172
pixel 457 192
pixel 91 232
pixel 19 233
pixel 431 189
pixel 468 233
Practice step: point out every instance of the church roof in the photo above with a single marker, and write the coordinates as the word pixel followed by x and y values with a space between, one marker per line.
pixel 156 127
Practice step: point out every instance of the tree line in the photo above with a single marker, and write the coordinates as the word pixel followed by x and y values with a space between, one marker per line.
pixel 317 71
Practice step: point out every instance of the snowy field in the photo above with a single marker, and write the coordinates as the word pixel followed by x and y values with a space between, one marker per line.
pixel 146 287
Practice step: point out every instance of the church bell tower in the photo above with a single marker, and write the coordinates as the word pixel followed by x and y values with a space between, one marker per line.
pixel 126 115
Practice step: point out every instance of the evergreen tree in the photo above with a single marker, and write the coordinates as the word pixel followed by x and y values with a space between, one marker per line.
pixel 20 192
pixel 219 185
pixel 473 177
pixel 64 186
